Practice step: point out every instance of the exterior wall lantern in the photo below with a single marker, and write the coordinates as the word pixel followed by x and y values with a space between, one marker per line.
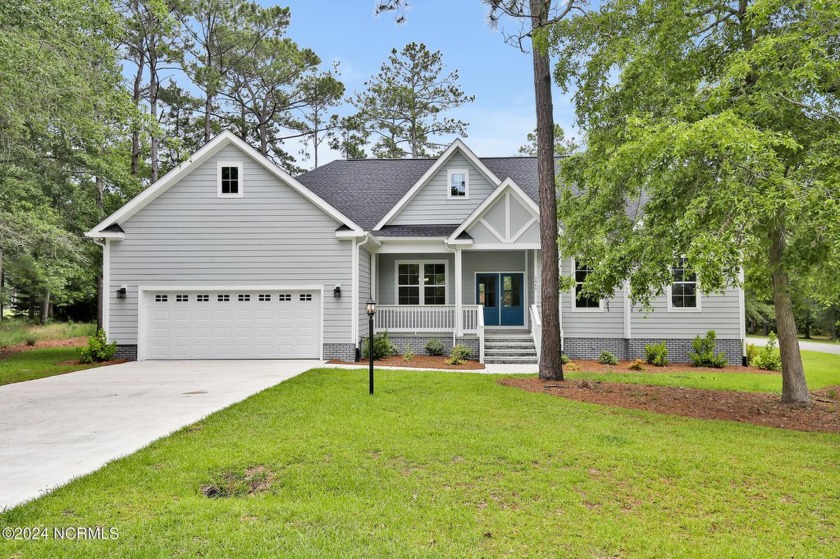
pixel 122 292
pixel 337 291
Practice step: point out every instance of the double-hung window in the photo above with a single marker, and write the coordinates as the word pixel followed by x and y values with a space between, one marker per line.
pixel 684 294
pixel 459 183
pixel 421 283
pixel 582 301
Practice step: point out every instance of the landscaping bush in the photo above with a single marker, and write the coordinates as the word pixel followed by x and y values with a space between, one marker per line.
pixel 704 352
pixel 408 355
pixel 382 346
pixel 564 359
pixel 458 354
pixel 98 349
pixel 752 353
pixel 434 347
pixel 768 357
pixel 607 358
pixel 656 354
pixel 637 365
pixel 30 341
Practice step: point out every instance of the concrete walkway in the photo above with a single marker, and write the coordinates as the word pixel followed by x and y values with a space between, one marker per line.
pixel 803 345
pixel 57 428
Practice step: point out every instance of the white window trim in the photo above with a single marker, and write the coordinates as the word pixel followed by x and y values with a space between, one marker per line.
pixel 574 298
pixel 672 308
pixel 466 173
pixel 238 165
pixel 422 291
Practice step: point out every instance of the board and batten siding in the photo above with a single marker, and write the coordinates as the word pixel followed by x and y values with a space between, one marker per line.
pixel 591 323
pixel 431 205
pixel 364 290
pixel 270 236
pixel 718 312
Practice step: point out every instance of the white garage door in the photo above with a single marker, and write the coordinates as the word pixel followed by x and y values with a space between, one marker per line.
pixel 231 324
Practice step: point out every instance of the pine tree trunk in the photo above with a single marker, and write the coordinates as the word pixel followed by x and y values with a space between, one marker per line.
pixel 794 385
pixel 135 131
pixel 551 366
pixel 153 109
pixel 45 307
pixel 208 108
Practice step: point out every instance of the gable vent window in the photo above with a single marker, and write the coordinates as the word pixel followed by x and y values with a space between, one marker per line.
pixel 182 298
pixel 202 298
pixel 458 183
pixel 244 297
pixel 284 297
pixel 161 298
pixel 265 297
pixel 230 179
pixel 223 298
pixel 305 296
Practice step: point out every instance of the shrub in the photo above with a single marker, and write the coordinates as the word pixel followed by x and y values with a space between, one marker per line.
pixel 98 349
pixel 434 347
pixel 458 354
pixel 769 358
pixel 408 355
pixel 704 352
pixel 564 359
pixel 656 354
pixel 752 353
pixel 607 358
pixel 637 365
pixel 382 346
pixel 30 341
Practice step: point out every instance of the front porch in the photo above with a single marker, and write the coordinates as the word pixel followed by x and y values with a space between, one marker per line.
pixel 461 296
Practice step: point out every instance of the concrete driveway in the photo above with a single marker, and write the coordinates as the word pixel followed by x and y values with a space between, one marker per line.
pixel 803 345
pixel 61 427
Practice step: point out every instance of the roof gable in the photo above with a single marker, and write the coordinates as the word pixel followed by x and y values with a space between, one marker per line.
pixel 506 215
pixel 205 153
pixel 457 147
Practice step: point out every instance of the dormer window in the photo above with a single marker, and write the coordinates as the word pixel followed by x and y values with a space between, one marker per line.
pixel 230 179
pixel 459 183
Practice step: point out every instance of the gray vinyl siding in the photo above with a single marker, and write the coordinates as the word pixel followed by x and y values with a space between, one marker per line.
pixel 718 312
pixel 270 236
pixel 579 323
pixel 432 206
pixel 386 273
pixel 364 290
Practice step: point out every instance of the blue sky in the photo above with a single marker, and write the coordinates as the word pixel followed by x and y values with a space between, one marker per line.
pixel 497 74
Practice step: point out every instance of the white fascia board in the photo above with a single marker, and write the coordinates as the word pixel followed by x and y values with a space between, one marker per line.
pixel 507 185
pixel 349 235
pixel 208 150
pixel 106 235
pixel 456 145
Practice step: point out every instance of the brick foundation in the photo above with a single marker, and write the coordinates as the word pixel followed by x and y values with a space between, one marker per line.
pixel 344 352
pixel 417 344
pixel 678 349
pixel 128 352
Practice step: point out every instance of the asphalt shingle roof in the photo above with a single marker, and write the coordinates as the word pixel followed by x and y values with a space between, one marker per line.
pixel 366 189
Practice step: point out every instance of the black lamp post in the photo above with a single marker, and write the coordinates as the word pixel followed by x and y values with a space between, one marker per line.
pixel 370 306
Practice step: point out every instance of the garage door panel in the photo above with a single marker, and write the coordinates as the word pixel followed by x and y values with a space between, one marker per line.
pixel 237 324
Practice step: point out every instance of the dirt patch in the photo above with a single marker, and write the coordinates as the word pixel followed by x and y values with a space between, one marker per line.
pixel 748 407
pixel 256 479
pixel 66 342
pixel 93 365
pixel 416 362
pixel 624 367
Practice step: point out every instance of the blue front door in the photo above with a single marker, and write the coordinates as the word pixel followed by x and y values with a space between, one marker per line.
pixel 501 295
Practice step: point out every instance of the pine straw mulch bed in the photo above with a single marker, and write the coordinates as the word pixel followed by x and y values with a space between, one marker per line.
pixel 588 366
pixel 416 362
pixel 41 344
pixel 758 408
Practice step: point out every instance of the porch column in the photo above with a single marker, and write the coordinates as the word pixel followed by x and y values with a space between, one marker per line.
pixel 459 288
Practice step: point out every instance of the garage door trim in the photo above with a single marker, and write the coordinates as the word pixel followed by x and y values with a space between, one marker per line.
pixel 143 289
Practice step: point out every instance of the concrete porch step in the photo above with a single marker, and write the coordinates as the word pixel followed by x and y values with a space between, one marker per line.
pixel 510 360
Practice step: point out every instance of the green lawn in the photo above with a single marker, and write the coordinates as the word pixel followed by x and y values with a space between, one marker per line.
pixel 821 370
pixel 15 331
pixel 819 340
pixel 452 465
pixel 38 363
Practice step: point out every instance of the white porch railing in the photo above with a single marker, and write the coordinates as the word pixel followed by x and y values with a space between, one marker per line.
pixel 428 318
pixel 536 328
